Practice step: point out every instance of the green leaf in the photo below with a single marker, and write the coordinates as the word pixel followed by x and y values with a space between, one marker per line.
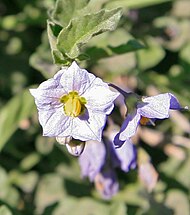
pixel 44 145
pixel 81 206
pixel 25 181
pixel 57 56
pixel 30 161
pixel 52 33
pixel 118 208
pixel 18 108
pixel 96 53
pixel 184 53
pixel 41 60
pixel 8 194
pixel 131 4
pixel 4 210
pixel 178 201
pixel 131 45
pixel 50 190
pixel 82 29
pixel 65 10
pixel 151 55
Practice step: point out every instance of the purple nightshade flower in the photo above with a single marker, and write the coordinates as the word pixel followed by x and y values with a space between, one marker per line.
pixel 146 111
pixel 92 159
pixel 74 103
pixel 106 183
pixel 126 155
pixel 99 161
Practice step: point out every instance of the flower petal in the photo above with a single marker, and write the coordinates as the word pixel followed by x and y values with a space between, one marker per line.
pixel 106 183
pixel 75 149
pixel 99 97
pixel 129 126
pixel 117 142
pixel 52 83
pixel 148 175
pixel 48 93
pixel 174 103
pixel 92 159
pixel 76 79
pixel 55 122
pixel 127 155
pixel 155 106
pixel 52 94
pixel 90 129
pixel 51 112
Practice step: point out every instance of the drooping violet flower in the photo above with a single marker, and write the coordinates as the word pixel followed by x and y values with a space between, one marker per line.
pixel 106 183
pixel 146 111
pixel 99 161
pixel 74 103
pixel 146 171
pixel 126 155
pixel 92 159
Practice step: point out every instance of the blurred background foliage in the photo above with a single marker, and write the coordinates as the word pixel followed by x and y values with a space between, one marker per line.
pixel 37 175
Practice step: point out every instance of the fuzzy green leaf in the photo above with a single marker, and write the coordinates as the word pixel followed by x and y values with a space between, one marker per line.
pixel 41 59
pixel 131 45
pixel 151 55
pixel 5 211
pixel 118 208
pixel 131 4
pixel 96 53
pixel 57 56
pixel 82 29
pixel 19 108
pixel 65 10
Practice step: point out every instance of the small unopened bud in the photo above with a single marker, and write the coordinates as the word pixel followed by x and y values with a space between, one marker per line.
pixel 64 140
pixel 186 108
pixel 75 148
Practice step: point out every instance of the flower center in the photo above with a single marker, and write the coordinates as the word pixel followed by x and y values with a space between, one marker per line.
pixel 74 105
pixel 144 120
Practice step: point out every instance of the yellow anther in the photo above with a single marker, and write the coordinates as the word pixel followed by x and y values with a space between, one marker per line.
pixel 73 104
pixel 73 107
pixel 144 120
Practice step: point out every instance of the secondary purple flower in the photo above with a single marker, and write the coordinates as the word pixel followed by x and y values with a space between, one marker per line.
pixel 99 162
pixel 92 159
pixel 106 183
pixel 146 111
pixel 126 155
pixel 74 103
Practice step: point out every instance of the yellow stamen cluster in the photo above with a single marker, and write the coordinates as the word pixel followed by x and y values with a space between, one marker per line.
pixel 144 120
pixel 74 105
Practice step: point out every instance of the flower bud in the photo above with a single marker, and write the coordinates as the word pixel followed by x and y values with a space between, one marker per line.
pixel 75 147
pixel 64 140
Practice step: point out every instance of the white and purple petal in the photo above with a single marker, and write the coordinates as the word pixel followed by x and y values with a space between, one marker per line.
pixel 129 126
pixel 99 102
pixel 55 123
pixel 99 97
pixel 155 106
pixel 127 155
pixel 106 183
pixel 174 103
pixel 76 79
pixel 92 159
pixel 89 128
